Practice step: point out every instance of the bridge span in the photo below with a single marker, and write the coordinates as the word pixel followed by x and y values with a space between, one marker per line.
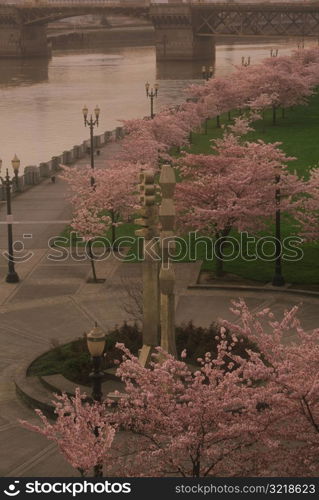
pixel 183 30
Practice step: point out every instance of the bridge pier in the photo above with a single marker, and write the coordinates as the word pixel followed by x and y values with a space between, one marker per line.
pixel 181 44
pixel 176 38
pixel 18 41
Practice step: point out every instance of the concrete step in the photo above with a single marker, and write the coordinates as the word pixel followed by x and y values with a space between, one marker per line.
pixel 34 394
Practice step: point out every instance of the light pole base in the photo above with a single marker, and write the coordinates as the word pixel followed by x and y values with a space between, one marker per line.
pixel 278 280
pixel 12 277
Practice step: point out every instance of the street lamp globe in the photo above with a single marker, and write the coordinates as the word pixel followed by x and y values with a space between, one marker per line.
pixel 147 87
pixel 15 164
pixel 96 341
pixel 85 111
pixel 97 112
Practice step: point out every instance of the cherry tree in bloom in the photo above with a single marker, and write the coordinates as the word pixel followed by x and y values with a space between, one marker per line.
pixel 221 420
pixel 185 423
pixel 308 214
pixel 222 97
pixel 139 145
pixel 149 141
pixel 292 358
pixel 99 207
pixel 263 102
pixel 81 431
pixel 234 188
pixel 291 88
pixel 234 415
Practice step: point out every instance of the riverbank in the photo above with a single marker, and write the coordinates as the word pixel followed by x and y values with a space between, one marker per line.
pixel 35 174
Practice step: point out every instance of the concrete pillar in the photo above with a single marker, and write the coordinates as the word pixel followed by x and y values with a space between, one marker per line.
pixel 167 183
pixel 151 260
pixel 24 41
pixel 76 152
pixel 181 44
pixel 61 160
pixel 95 141
pixel 119 133
pixel 67 157
pixel 54 163
pixel 107 136
pixel 86 146
pixel 175 34
pixel 167 286
pixel 31 175
pixel 82 150
pixel 44 169
pixel 151 317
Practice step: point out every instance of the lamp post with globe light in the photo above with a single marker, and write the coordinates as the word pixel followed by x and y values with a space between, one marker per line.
pixel 151 93
pixel 91 123
pixel 7 182
pixel 16 165
pixel 96 343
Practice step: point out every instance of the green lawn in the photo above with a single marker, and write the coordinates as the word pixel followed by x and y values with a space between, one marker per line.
pixel 299 134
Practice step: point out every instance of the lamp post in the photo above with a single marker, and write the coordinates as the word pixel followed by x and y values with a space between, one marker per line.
pixel 245 61
pixel 16 165
pixel 207 73
pixel 274 52
pixel 91 122
pixel 278 279
pixel 12 276
pixel 151 93
pixel 96 343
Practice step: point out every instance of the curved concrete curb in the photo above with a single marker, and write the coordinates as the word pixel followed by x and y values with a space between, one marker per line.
pixel 29 390
pixel 38 392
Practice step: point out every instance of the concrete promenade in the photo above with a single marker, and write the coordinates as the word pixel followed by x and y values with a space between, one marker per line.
pixel 53 302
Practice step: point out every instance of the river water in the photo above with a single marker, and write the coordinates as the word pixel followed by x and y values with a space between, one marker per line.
pixel 41 101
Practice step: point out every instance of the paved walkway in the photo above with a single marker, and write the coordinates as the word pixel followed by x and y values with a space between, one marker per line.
pixel 53 302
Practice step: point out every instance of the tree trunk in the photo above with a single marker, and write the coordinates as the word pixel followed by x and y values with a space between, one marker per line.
pixel 218 121
pixel 190 138
pixel 113 218
pixel 92 261
pixel 274 115
pixel 283 114
pixel 219 256
pixel 196 469
pixel 206 126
